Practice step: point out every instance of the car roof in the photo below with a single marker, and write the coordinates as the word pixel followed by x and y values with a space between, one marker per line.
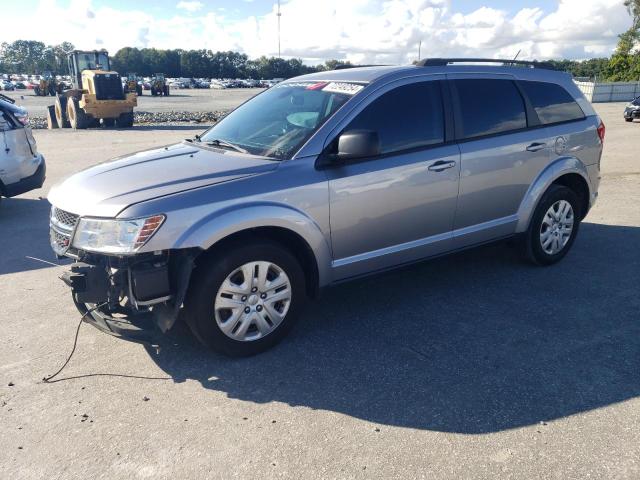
pixel 374 74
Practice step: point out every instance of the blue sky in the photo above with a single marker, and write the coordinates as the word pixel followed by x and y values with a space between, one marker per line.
pixel 380 31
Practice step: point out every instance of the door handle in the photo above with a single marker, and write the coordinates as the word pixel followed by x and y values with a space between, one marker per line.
pixel 441 165
pixel 534 147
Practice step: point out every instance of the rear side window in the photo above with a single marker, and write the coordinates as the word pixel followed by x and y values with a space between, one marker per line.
pixel 489 106
pixel 406 117
pixel 551 102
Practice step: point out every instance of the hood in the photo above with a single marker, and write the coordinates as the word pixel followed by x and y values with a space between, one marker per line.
pixel 106 189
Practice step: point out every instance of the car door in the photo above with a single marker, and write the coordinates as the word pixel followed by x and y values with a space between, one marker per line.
pixel 398 206
pixel 500 155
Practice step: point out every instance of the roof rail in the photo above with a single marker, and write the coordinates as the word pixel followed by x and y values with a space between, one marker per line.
pixel 7 99
pixel 441 62
pixel 344 66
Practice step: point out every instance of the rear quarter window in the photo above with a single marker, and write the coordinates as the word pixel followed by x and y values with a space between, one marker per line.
pixel 552 103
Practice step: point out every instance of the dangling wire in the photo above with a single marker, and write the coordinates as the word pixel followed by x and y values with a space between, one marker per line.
pixel 75 343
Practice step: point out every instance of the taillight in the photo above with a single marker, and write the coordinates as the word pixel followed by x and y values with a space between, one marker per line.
pixel 601 131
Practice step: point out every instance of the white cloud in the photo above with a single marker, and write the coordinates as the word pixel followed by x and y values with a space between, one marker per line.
pixel 190 7
pixel 374 31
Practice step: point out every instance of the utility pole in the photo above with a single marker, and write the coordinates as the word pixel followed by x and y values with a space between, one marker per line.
pixel 279 15
pixel 419 50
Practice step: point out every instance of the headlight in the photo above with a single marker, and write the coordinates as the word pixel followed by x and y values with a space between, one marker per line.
pixel 115 236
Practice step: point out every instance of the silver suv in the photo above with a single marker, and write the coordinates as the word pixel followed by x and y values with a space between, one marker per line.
pixel 324 178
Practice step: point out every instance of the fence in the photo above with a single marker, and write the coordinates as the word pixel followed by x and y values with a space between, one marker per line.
pixel 610 91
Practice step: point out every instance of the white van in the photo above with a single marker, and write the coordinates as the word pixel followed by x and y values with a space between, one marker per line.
pixel 22 168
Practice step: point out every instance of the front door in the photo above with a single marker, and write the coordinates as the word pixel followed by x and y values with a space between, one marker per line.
pixel 399 206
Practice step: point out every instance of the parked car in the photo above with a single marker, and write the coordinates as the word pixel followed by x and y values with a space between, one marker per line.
pixel 321 179
pixel 8 86
pixel 632 110
pixel 22 168
pixel 19 85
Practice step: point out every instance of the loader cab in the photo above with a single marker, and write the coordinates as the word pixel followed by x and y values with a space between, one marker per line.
pixel 87 60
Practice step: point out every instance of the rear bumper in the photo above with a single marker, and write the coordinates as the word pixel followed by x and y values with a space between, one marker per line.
pixel 28 183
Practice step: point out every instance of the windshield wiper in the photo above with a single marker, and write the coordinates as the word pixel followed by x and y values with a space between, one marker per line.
pixel 223 143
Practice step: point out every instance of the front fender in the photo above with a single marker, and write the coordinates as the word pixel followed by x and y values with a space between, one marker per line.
pixel 561 166
pixel 223 223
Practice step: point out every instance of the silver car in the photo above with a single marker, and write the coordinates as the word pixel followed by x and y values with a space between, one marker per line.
pixel 321 179
pixel 22 167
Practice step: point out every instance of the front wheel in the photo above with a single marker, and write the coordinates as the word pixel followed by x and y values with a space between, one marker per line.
pixel 245 300
pixel 554 226
pixel 630 119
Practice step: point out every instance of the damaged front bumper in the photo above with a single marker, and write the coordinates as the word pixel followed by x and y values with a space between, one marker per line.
pixel 137 298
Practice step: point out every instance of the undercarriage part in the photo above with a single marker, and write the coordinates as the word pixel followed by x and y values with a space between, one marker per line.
pixel 136 295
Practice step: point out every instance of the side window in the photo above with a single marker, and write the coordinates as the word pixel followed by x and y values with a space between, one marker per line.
pixel 488 106
pixel 406 117
pixel 551 102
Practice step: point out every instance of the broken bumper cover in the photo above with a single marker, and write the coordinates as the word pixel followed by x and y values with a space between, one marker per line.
pixel 135 299
pixel 138 328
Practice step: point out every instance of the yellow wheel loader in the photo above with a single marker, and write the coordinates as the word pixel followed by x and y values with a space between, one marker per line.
pixel 96 95
pixel 132 85
pixel 48 85
pixel 159 85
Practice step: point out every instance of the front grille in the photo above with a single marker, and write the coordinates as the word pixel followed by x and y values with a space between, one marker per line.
pixel 62 225
pixel 108 87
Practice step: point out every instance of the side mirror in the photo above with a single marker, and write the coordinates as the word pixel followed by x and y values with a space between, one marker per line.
pixel 358 144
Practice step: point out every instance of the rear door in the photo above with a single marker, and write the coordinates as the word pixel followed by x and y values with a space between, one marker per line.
pixel 500 155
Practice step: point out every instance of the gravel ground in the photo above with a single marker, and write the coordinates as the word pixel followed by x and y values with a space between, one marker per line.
pixel 471 366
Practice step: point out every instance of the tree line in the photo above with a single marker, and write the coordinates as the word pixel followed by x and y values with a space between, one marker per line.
pixel 34 57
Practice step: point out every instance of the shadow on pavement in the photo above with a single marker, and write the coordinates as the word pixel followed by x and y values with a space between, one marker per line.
pixel 473 343
pixel 24 231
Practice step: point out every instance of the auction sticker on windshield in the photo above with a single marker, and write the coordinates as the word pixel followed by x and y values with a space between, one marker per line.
pixel 343 87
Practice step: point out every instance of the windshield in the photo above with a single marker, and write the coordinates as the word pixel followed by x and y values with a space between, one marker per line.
pixel 279 121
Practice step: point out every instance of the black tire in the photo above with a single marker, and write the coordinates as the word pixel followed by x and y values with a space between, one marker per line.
pixel 108 122
pixel 628 119
pixel 534 250
pixel 51 118
pixel 209 275
pixel 60 106
pixel 78 119
pixel 125 120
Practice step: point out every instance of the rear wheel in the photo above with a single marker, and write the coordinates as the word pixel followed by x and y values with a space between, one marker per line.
pixel 125 120
pixel 245 301
pixel 60 107
pixel 51 118
pixel 78 119
pixel 108 122
pixel 554 226
pixel 628 119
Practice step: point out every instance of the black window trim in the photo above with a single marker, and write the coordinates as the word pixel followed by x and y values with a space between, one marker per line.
pixel 447 122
